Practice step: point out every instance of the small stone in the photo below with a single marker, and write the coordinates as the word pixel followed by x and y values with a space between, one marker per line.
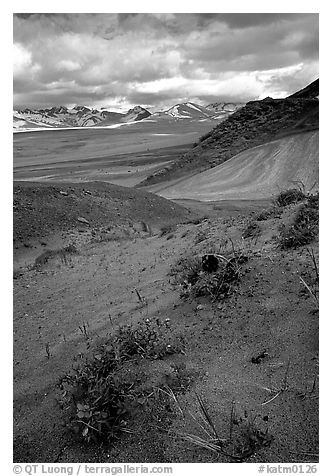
pixel 83 220
pixel 200 307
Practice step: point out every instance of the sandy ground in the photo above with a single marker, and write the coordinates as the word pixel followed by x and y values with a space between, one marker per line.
pixel 255 173
pixel 269 311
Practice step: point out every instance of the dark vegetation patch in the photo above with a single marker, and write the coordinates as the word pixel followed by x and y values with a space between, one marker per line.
pixel 194 279
pixel 288 197
pixel 304 227
pixel 63 254
pixel 252 230
pixel 272 212
pixel 108 388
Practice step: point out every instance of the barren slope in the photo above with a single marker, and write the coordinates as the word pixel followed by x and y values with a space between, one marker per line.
pixel 256 173
pixel 41 209
pixel 257 123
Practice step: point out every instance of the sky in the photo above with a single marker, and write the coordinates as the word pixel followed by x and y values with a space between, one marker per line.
pixel 117 61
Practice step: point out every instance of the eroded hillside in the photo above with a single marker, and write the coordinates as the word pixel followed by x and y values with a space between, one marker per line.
pixel 256 123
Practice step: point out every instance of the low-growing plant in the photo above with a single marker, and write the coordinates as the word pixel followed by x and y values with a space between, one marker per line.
pixel 187 270
pixel 62 253
pixel 180 378
pixel 102 391
pixel 304 228
pixel 287 197
pixel 272 212
pixel 149 338
pixel 252 230
pixel 97 397
pixel 192 278
pixel 244 439
pixel 313 201
pixel 218 285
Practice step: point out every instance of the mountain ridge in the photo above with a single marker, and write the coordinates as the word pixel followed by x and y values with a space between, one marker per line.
pixel 83 116
pixel 254 124
pixel 78 116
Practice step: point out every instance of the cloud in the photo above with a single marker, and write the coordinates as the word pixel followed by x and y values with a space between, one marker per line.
pixel 22 59
pixel 154 59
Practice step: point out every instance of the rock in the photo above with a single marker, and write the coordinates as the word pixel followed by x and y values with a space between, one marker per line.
pixel 257 359
pixel 83 220
pixel 63 193
pixel 200 307
pixel 210 263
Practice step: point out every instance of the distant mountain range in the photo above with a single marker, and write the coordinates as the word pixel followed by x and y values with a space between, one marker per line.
pixel 82 116
pixel 78 116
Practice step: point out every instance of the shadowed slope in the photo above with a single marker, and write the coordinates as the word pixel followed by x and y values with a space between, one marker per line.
pixel 42 208
pixel 256 173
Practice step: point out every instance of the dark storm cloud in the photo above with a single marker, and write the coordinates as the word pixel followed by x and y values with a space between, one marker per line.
pixel 157 58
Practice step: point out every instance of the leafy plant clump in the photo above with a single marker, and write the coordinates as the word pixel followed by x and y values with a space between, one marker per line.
pixel 194 280
pixel 287 197
pixel 102 391
pixel 96 396
pixel 305 227
pixel 149 339
pixel 218 285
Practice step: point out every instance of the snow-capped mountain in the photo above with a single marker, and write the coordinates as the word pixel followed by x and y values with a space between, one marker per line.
pixel 188 110
pixel 82 116
pixel 136 114
pixel 192 111
pixel 78 116
pixel 224 107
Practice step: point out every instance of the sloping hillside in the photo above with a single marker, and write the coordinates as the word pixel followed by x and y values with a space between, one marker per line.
pixel 309 92
pixel 41 209
pixel 256 173
pixel 256 123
